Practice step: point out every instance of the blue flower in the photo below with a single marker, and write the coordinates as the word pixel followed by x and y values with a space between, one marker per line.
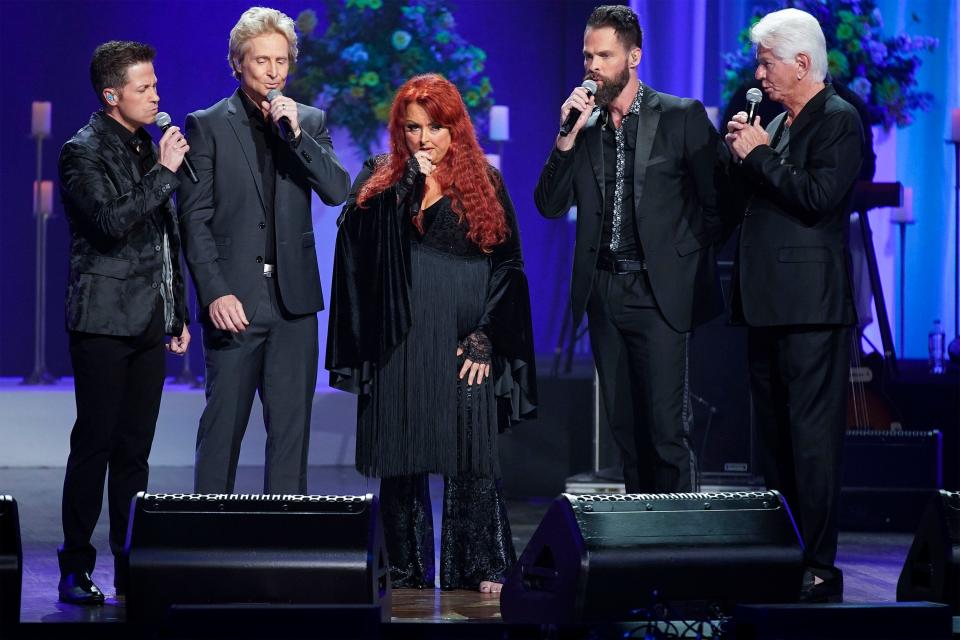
pixel 400 39
pixel 878 51
pixel 355 53
pixel 861 87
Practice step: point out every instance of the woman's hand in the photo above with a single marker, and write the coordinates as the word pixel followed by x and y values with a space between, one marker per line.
pixel 474 369
pixel 476 347
pixel 426 163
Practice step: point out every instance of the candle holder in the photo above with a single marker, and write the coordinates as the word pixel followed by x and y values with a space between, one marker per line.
pixel 902 217
pixel 186 375
pixel 500 127
pixel 42 209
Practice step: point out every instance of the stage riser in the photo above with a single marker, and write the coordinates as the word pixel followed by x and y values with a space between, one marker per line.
pixel 35 426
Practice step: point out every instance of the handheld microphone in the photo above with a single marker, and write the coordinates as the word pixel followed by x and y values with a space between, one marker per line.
pixel 163 122
pixel 574 115
pixel 284 122
pixel 754 96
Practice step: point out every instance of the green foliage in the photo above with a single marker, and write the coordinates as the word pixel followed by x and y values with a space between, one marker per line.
pixel 370 48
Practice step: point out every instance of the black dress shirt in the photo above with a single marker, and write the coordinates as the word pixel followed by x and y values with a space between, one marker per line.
pixel 629 247
pixel 138 142
pixel 267 142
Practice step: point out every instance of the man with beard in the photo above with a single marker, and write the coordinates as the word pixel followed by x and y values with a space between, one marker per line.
pixel 640 166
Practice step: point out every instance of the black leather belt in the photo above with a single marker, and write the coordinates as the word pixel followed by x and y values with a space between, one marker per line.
pixel 608 262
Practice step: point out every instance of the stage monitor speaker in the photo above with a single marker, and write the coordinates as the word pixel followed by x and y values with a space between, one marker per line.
pixel 931 571
pixel 609 558
pixel 11 565
pixel 250 549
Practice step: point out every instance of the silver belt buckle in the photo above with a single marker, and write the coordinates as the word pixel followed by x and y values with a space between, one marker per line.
pixel 269 270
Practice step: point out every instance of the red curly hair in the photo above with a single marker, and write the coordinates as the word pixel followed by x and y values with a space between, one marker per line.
pixel 463 175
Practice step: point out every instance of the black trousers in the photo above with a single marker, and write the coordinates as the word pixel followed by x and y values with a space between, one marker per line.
pixel 475 542
pixel 799 383
pixel 118 382
pixel 276 357
pixel 642 364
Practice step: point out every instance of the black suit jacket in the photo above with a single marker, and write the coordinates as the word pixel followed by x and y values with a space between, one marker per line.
pixel 793 256
pixel 223 215
pixel 675 205
pixel 116 234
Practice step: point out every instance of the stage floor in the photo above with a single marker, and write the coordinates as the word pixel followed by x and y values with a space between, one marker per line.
pixel 871 562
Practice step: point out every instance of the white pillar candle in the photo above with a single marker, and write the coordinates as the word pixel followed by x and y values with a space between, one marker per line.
pixel 43 198
pixel 493 159
pixel 904 213
pixel 499 122
pixel 40 121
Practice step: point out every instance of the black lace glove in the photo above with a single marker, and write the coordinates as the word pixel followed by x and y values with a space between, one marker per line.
pixel 408 180
pixel 477 347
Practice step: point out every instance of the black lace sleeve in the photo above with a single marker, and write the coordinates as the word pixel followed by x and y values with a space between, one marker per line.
pixel 411 185
pixel 477 347
pixel 506 322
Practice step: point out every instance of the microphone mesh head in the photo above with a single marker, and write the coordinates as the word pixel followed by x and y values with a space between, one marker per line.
pixel 273 93
pixel 590 86
pixel 754 95
pixel 163 119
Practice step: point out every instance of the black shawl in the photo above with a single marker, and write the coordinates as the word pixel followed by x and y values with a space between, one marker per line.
pixel 370 299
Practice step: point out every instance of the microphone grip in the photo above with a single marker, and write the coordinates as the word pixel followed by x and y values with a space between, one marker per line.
pixel 286 131
pixel 188 169
pixel 751 112
pixel 569 123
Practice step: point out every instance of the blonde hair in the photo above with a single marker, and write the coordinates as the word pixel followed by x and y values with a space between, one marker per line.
pixel 254 22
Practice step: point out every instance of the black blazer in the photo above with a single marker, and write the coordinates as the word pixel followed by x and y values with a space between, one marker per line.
pixel 675 205
pixel 793 256
pixel 222 215
pixel 116 231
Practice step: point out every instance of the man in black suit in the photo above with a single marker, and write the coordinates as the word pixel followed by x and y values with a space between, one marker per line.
pixel 124 294
pixel 248 238
pixel 791 284
pixel 640 167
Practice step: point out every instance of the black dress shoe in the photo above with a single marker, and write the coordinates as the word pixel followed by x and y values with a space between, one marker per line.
pixel 830 589
pixel 78 588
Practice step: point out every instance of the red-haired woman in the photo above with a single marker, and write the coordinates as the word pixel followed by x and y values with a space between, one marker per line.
pixel 430 325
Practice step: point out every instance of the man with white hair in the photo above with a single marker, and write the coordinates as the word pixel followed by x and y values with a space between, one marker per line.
pixel 248 238
pixel 791 286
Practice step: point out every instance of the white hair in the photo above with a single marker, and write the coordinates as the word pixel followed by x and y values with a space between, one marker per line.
pixel 790 32
pixel 254 22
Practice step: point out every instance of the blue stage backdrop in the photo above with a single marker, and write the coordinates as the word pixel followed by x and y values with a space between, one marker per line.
pixel 534 59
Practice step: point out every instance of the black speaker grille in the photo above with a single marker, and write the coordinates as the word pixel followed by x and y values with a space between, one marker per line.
pixel 247 502
pixel 647 497
pixel 951 498
pixel 246 497
pixel 861 433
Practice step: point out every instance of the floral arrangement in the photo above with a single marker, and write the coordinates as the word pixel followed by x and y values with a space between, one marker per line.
pixel 370 48
pixel 879 69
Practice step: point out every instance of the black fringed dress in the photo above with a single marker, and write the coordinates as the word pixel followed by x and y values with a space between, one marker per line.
pixel 401 304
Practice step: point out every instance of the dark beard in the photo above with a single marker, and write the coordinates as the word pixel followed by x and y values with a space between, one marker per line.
pixel 610 89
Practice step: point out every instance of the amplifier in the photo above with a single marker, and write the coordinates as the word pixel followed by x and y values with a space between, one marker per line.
pixel 887 478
